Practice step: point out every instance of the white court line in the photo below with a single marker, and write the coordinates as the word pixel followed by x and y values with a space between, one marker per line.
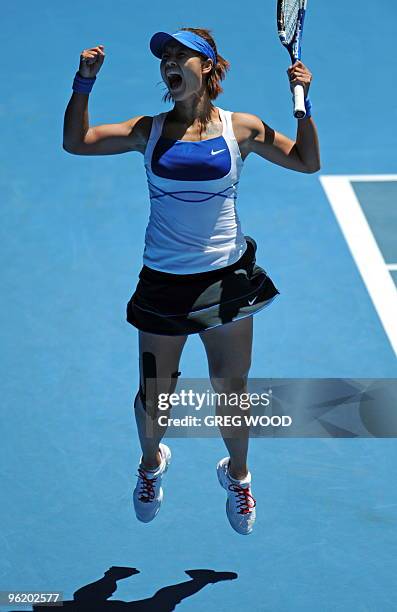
pixel 391 266
pixel 365 178
pixel 363 246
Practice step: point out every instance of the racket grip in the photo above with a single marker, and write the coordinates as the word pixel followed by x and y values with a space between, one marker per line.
pixel 299 102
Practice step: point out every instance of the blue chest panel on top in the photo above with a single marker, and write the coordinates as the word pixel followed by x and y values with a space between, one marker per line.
pixel 181 160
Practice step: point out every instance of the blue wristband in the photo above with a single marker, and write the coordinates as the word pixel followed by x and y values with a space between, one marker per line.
pixel 83 84
pixel 308 107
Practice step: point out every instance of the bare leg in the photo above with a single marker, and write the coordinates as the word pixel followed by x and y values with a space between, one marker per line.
pixel 229 349
pixel 159 358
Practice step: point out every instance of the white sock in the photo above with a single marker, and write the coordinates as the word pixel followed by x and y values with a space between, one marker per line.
pixel 245 480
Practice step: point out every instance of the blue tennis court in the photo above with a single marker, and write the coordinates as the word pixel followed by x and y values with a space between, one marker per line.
pixel 72 236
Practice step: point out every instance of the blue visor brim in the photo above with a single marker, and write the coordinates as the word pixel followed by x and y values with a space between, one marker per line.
pixel 158 42
pixel 183 37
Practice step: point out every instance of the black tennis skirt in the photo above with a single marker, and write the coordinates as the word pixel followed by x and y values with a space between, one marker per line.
pixel 180 304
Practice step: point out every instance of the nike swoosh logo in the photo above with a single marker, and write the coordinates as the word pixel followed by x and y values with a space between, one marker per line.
pixel 216 152
pixel 250 302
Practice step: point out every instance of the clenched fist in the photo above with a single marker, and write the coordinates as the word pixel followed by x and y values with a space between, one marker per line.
pixel 299 74
pixel 91 61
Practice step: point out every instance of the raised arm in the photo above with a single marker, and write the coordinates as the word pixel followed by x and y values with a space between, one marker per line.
pixel 110 139
pixel 301 154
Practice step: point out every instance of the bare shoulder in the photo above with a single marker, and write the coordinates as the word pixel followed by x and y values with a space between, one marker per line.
pixel 247 123
pixel 247 127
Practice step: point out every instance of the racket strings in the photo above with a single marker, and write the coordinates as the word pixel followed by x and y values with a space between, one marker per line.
pixel 288 18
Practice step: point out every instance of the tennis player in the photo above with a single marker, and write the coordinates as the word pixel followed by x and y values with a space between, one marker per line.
pixel 199 274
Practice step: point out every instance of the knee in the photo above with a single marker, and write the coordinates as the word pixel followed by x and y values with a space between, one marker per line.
pixel 230 376
pixel 149 393
pixel 223 381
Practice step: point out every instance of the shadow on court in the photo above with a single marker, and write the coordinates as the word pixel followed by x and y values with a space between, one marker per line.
pixel 93 597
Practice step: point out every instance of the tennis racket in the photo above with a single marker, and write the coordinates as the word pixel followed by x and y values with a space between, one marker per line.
pixel 290 18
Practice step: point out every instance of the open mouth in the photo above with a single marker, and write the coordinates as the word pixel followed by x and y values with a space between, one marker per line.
pixel 174 80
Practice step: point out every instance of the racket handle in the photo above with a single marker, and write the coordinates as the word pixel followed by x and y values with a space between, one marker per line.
pixel 299 102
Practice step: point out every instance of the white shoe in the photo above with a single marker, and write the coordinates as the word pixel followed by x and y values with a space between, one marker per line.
pixel 240 505
pixel 148 493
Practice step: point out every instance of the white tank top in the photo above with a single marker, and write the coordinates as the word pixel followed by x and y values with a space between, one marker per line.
pixel 193 225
